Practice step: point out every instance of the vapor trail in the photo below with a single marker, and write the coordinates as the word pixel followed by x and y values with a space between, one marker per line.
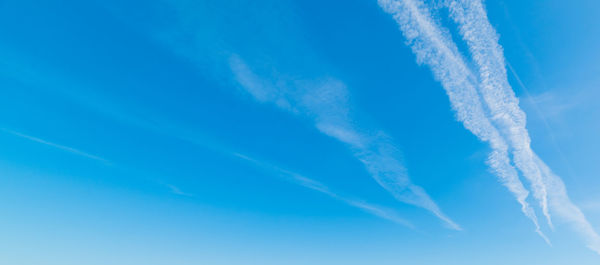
pixel 496 92
pixel 434 47
pixel 563 207
pixel 488 56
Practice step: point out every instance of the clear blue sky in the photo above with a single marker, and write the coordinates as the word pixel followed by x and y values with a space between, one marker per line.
pixel 298 132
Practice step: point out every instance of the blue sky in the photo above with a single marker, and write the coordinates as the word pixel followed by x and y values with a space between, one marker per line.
pixel 299 132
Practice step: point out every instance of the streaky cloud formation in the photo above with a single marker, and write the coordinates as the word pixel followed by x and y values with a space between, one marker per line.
pixel 487 54
pixel 487 107
pixel 434 47
pixel 55 145
pixel 312 184
pixel 496 92
pixel 325 102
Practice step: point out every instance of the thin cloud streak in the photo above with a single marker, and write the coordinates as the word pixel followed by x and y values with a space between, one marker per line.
pixel 325 102
pixel 483 44
pixel 434 47
pixel 58 146
pixel 294 177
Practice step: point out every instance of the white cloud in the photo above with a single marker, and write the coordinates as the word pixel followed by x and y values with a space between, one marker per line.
pixel 553 106
pixel 498 96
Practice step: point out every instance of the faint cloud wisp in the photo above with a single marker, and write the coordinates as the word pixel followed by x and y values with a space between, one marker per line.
pixel 326 103
pixel 58 146
pixel 312 184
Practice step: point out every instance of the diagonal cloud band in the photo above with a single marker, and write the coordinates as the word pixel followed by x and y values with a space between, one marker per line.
pixel 496 91
pixel 497 94
pixel 486 104
pixel 326 103
pixel 434 47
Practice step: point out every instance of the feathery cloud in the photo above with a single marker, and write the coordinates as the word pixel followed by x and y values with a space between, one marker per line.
pixel 325 102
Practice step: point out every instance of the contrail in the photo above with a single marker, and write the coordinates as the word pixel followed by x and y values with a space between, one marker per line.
pixel 434 47
pixel 58 146
pixel 562 205
pixel 496 92
pixel 325 102
pixel 483 44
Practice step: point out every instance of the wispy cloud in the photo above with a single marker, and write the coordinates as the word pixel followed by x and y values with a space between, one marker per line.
pixel 326 103
pixel 312 184
pixel 551 105
pixel 55 145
